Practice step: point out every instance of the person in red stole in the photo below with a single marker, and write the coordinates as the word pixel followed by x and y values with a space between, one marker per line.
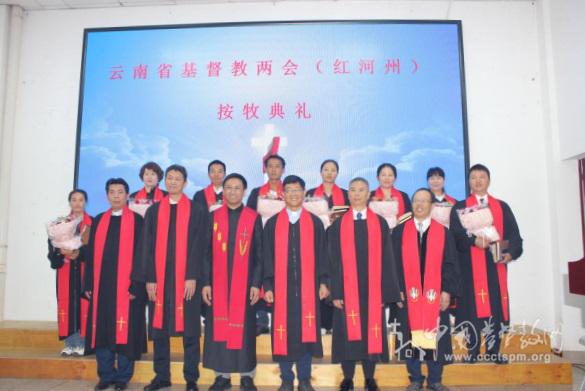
pixel 173 245
pixel 232 277
pixel 295 280
pixel 436 182
pixel 426 260
pixel 386 174
pixel 483 306
pixel 116 327
pixel 363 278
pixel 212 195
pixel 150 174
pixel 335 196
pixel 70 265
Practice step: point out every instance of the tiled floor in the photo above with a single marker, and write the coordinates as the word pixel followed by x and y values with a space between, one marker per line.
pixel 72 385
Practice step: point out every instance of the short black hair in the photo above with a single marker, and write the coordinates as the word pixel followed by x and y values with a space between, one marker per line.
pixel 291 179
pixel 153 167
pixel 435 171
pixel 329 161
pixel 278 157
pixel 80 191
pixel 359 179
pixel 214 162
pixel 177 167
pixel 422 189
pixel 480 167
pixel 384 165
pixel 235 175
pixel 117 181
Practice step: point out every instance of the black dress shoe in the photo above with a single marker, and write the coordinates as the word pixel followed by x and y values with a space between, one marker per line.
pixel 371 385
pixel 247 384
pixel 286 385
pixel 221 383
pixel 119 386
pixel 305 385
pixel 102 386
pixel 157 384
pixel 191 386
pixel 346 385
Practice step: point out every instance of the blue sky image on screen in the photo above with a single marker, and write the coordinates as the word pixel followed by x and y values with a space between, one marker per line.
pixel 340 92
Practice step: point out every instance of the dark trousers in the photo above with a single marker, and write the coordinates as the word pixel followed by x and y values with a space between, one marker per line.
pixel 107 370
pixel 348 366
pixel 162 358
pixel 414 370
pixel 326 315
pixel 303 368
pixel 492 338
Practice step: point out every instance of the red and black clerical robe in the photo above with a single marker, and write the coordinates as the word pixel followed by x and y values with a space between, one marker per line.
pixel 207 197
pixel 155 195
pixel 363 275
pixel 404 205
pixel 427 265
pixel 72 308
pixel 115 321
pixel 263 191
pixel 233 264
pixel 484 284
pixel 172 252
pixel 338 195
pixel 295 265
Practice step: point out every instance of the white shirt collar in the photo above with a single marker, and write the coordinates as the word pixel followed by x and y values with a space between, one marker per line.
pixel 364 213
pixel 117 212
pixel 173 202
pixel 440 197
pixel 425 224
pixel 218 190
pixel 293 216
pixel 479 198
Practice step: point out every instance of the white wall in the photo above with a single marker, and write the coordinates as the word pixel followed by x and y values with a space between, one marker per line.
pixel 507 128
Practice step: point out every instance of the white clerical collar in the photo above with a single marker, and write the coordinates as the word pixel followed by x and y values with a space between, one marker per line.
pixel 117 212
pixel 480 198
pixel 363 214
pixel 422 226
pixel 173 202
pixel 293 215
pixel 218 190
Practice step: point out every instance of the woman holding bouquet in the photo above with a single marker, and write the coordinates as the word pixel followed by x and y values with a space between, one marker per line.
pixel 386 174
pixel 333 194
pixel 150 174
pixel 69 263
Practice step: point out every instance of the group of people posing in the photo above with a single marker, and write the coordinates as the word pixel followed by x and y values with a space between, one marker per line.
pixel 217 254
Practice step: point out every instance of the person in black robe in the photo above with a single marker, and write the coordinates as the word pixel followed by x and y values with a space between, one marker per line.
pixel 150 174
pixel 329 171
pixel 216 354
pixel 297 351
pixel 466 313
pixel 405 349
pixel 216 171
pixel 175 181
pixel 70 265
pixel 274 166
pixel 105 324
pixel 387 174
pixel 344 351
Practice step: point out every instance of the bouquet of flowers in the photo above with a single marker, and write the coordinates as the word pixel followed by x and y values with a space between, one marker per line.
pixel 215 206
pixel 268 207
pixel 140 206
pixel 64 232
pixel 319 207
pixel 441 212
pixel 479 221
pixel 388 210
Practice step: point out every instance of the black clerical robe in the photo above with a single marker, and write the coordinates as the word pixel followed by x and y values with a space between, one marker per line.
pixel 449 284
pixel 466 311
pixel 149 195
pixel 253 199
pixel 106 312
pixel 195 250
pixel 342 348
pixel 216 355
pixel 295 347
pixel 199 198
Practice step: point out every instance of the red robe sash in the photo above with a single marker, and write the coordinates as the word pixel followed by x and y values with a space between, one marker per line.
pixel 210 195
pixel 265 189
pixel 125 256
pixel 424 303
pixel 162 237
pixel 229 315
pixel 308 314
pixel 351 295
pixel 142 195
pixel 336 194
pixel 63 279
pixel 479 266
pixel 396 194
pixel 450 199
